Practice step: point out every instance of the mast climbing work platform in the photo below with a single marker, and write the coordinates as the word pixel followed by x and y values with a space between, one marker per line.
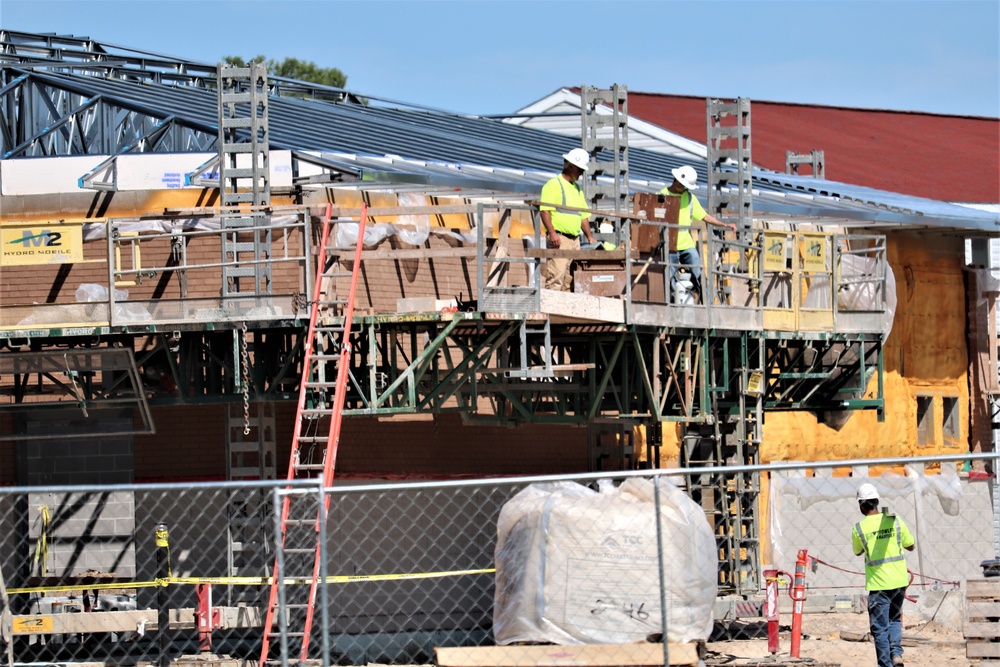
pixel 300 554
pixel 244 179
pixel 605 133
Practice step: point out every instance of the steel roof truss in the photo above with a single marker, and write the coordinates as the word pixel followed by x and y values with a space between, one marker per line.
pixel 105 175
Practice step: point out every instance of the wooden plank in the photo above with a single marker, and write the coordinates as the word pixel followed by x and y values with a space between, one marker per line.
pixel 616 255
pixel 591 655
pixel 981 630
pixel 430 209
pixel 982 588
pixel 344 212
pixel 556 368
pixel 975 609
pixel 976 649
pixel 410 253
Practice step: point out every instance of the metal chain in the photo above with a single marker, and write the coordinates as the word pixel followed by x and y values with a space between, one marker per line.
pixel 245 370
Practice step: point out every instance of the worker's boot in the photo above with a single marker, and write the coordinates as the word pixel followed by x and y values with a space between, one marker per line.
pixel 897 661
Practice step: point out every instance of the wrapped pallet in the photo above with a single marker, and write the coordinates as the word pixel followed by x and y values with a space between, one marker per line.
pixel 577 566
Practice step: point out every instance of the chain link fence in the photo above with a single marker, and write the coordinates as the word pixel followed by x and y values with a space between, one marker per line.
pixel 526 571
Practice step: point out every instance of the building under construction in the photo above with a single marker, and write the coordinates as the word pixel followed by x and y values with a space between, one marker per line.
pixel 188 249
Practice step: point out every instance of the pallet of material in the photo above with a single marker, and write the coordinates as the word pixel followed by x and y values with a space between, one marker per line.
pixel 550 655
pixel 982 620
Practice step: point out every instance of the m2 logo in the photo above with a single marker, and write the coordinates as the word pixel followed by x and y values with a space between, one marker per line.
pixel 45 238
pixel 41 245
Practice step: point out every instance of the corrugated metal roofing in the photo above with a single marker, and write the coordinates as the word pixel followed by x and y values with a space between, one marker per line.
pixel 459 146
pixel 943 157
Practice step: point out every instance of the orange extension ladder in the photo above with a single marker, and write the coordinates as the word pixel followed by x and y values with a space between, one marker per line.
pixel 328 342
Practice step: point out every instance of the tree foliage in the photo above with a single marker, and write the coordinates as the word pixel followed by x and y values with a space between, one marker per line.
pixel 293 68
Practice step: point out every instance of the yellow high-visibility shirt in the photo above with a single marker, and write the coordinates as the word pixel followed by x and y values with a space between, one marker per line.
pixel 882 538
pixel 690 209
pixel 560 192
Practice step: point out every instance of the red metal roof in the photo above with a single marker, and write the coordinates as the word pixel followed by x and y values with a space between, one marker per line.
pixel 947 158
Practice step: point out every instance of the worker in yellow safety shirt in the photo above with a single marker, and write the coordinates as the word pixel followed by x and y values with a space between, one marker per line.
pixel 686 255
pixel 562 228
pixel 881 537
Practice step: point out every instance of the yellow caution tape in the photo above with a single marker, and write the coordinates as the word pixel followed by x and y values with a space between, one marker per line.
pixel 42 544
pixel 245 581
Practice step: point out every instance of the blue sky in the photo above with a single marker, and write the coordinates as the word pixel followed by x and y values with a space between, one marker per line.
pixel 494 57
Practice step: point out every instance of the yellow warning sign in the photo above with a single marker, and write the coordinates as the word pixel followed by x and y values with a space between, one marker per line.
pixel 32 625
pixel 54 244
pixel 814 252
pixel 753 383
pixel 774 252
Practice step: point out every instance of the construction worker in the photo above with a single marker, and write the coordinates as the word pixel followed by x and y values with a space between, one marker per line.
pixel 686 254
pixel 562 228
pixel 881 537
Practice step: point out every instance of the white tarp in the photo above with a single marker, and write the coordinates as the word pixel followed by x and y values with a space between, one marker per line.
pixel 577 566
pixel 950 520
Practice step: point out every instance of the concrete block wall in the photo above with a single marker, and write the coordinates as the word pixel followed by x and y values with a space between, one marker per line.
pixel 86 533
pixel 949 546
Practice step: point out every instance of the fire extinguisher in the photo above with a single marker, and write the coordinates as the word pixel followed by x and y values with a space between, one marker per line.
pixel 798 595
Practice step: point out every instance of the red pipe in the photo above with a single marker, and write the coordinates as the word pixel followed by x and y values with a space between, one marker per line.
pixel 203 617
pixel 771 610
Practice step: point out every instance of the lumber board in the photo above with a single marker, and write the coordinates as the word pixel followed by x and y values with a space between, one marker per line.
pixel 345 212
pixel 981 630
pixel 409 253
pixel 594 213
pixel 589 655
pixel 975 609
pixel 616 255
pixel 430 209
pixel 982 588
pixel 976 649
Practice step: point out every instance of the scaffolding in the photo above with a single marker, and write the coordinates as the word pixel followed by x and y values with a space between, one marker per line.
pixel 216 307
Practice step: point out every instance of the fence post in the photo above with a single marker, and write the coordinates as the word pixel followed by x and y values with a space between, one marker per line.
pixel 162 574
pixel 663 573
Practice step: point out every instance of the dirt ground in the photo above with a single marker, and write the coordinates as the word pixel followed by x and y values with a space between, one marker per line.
pixel 924 644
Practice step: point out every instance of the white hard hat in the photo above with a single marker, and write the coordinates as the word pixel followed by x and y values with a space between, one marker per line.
pixel 686 175
pixel 867 491
pixel 578 157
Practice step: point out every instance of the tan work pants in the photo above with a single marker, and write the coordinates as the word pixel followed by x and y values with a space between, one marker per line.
pixel 557 274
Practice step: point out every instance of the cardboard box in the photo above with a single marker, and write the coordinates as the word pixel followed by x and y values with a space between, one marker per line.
pixel 649 287
pixel 599 278
pixel 646 237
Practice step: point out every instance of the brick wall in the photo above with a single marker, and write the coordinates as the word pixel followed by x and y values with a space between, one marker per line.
pixel 190 443
pixel 74 457
pixel 24 289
